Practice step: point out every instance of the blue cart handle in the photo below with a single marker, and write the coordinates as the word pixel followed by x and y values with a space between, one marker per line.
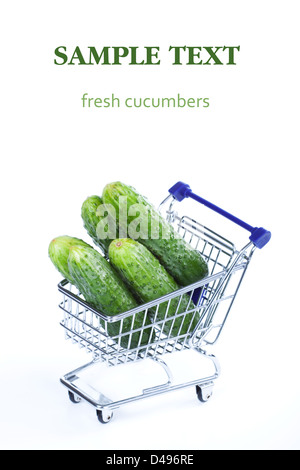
pixel 259 236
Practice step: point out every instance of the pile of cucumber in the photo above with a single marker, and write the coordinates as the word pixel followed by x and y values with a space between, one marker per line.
pixel 129 272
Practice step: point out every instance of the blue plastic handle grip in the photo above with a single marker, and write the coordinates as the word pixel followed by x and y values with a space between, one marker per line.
pixel 259 236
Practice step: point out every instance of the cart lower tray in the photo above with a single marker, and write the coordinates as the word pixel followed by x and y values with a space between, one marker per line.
pixel 108 388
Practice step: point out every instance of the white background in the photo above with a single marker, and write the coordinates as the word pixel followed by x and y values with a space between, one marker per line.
pixel 241 153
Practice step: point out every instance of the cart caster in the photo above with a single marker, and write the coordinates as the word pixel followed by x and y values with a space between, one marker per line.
pixel 104 416
pixel 204 392
pixel 74 398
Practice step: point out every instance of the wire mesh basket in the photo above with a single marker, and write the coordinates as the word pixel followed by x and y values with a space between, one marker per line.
pixel 188 318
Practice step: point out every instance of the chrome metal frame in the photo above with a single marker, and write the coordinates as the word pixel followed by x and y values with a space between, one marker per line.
pixel 201 321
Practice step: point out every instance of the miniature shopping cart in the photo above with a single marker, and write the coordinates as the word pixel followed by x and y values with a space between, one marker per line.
pixel 210 301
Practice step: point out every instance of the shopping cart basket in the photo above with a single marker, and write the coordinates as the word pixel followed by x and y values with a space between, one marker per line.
pixel 207 309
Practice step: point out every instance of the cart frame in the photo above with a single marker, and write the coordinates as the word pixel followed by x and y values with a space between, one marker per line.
pixel 209 304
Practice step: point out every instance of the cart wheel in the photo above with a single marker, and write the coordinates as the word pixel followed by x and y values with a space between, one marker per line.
pixel 73 397
pixel 204 393
pixel 104 416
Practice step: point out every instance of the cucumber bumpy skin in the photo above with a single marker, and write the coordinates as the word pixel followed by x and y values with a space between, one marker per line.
pixel 184 263
pixel 91 220
pixel 58 252
pixel 103 289
pixel 148 278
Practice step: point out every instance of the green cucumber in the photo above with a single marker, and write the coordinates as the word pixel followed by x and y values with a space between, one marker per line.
pixel 59 251
pixel 184 263
pixel 103 289
pixel 149 279
pixel 93 222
